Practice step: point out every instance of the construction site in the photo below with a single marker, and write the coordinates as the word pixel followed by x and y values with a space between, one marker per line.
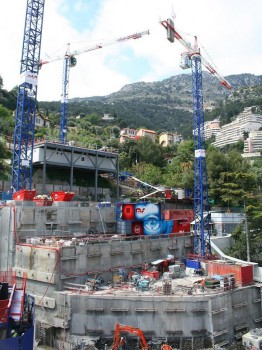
pixel 84 284
pixel 100 273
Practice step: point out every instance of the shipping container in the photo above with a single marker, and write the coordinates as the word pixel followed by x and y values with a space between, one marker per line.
pixel 173 214
pixel 181 225
pixel 243 272
pixel 124 227
pixel 193 264
pixel 137 228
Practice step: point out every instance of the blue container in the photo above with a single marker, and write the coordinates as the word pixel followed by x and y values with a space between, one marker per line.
pixel 194 264
pixel 6 196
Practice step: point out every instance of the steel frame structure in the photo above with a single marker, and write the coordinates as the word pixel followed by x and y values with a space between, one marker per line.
pixel 22 165
pixel 64 100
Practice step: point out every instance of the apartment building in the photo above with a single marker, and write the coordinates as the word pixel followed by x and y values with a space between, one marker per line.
pixel 233 132
pixel 170 138
pixel 212 128
pixel 253 145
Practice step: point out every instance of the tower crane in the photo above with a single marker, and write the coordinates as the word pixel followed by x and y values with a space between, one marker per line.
pixel 69 62
pixel 192 58
pixel 26 97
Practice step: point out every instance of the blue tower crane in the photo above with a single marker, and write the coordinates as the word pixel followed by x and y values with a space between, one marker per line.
pixel 69 62
pixel 26 99
pixel 193 59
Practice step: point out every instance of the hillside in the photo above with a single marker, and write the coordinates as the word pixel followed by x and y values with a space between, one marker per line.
pixel 162 105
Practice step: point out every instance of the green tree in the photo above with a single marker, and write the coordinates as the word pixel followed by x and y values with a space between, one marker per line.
pixel 180 173
pixel 237 188
pixel 6 121
pixel 132 153
pixel 225 169
pixel 239 249
pixel 150 152
pixel 149 173
pixel 93 118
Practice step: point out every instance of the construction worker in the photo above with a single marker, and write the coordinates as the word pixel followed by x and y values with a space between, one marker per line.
pixel 122 344
pixel 165 265
pixel 203 285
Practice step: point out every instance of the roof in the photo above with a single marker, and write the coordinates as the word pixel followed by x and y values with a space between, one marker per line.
pixel 156 262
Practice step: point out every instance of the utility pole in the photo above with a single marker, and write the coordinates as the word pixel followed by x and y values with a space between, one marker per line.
pixel 247 232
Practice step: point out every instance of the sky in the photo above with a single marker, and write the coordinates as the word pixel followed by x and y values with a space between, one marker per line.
pixel 228 32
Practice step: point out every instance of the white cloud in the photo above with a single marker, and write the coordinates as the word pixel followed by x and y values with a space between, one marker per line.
pixel 229 31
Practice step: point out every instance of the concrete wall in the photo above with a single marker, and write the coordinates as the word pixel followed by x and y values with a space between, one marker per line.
pixel 47 262
pixel 221 317
pixel 222 242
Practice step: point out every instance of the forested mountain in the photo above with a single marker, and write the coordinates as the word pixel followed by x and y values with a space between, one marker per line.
pixel 164 105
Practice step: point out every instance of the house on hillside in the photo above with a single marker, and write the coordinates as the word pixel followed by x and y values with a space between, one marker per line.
pixel 107 117
pixel 127 134
pixel 144 132
pixel 41 121
pixel 169 138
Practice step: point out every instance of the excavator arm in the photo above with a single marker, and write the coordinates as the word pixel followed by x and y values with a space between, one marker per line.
pixel 119 328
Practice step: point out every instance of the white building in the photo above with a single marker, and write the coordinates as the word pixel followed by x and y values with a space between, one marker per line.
pixel 253 145
pixel 212 128
pixel 42 122
pixel 233 132
pixel 127 134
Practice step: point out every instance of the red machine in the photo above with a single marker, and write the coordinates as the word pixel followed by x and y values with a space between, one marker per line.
pixel 129 329
pixel 119 328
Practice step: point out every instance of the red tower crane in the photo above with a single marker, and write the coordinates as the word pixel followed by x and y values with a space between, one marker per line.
pixel 69 62
pixel 172 34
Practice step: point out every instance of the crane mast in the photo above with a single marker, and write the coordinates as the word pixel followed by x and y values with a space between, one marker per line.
pixel 201 206
pixel 193 59
pixel 69 62
pixel 26 98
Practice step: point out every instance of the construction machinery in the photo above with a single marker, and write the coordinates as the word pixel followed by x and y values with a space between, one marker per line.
pixel 194 60
pixel 70 62
pixel 120 328
pixel 26 97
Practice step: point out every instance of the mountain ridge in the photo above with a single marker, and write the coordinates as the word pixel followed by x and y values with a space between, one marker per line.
pixel 161 105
